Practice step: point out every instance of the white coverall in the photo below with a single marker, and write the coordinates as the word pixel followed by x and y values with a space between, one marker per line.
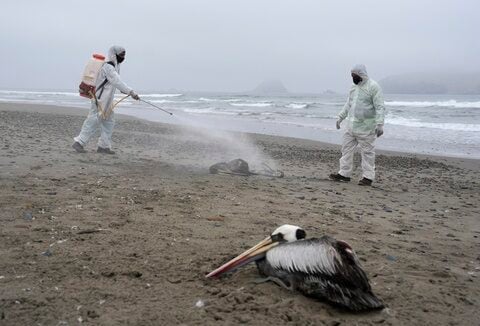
pixel 105 101
pixel 364 113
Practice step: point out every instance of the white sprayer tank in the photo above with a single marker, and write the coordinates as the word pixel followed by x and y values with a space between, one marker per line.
pixel 90 74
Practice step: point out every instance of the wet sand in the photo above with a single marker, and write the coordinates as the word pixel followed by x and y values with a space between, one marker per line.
pixel 128 238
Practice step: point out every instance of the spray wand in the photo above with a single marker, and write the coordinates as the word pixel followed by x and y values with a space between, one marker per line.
pixel 156 106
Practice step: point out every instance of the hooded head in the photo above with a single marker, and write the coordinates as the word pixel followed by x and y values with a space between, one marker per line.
pixel 113 53
pixel 361 71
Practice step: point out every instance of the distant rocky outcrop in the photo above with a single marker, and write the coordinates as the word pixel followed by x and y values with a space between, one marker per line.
pixel 432 83
pixel 270 87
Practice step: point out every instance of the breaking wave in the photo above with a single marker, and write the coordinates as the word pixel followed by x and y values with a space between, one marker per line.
pixel 297 106
pixel 434 125
pixel 162 95
pixel 206 99
pixel 426 104
pixel 38 93
pixel 259 105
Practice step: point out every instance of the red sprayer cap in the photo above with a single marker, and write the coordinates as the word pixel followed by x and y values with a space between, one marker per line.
pixel 99 56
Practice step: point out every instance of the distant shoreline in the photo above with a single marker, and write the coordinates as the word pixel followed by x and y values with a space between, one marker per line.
pixel 424 124
pixel 470 163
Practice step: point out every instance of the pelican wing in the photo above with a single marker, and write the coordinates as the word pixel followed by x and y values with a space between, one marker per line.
pixel 323 257
pixel 310 256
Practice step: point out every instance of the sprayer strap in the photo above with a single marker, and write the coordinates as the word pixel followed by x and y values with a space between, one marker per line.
pixel 102 85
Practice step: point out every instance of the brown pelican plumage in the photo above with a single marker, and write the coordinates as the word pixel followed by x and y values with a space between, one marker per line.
pixel 322 268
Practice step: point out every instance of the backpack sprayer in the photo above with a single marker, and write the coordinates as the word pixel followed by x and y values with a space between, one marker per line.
pixel 87 87
pixel 89 76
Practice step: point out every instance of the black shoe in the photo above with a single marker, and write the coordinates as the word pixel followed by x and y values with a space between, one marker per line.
pixel 105 150
pixel 365 182
pixel 338 177
pixel 78 147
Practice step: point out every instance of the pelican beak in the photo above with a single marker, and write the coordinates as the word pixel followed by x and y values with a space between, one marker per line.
pixel 252 254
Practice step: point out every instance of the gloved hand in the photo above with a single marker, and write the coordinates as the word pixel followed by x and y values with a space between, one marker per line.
pixel 338 124
pixel 134 95
pixel 379 130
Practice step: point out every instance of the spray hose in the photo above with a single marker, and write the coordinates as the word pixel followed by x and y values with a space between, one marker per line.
pixel 106 113
pixel 156 106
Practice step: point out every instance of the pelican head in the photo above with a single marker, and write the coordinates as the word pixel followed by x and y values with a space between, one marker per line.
pixel 284 233
pixel 288 233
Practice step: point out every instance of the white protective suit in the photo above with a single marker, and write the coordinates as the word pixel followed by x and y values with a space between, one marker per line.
pixel 105 100
pixel 364 112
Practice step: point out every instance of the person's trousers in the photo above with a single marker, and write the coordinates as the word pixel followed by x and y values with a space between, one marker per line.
pixel 367 150
pixel 90 126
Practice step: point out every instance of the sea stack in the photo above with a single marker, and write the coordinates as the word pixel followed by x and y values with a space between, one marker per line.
pixel 270 87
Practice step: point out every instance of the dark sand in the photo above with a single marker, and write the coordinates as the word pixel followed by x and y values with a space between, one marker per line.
pixel 128 239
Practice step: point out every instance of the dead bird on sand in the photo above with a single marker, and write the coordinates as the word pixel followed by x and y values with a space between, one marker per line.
pixel 323 268
pixel 240 167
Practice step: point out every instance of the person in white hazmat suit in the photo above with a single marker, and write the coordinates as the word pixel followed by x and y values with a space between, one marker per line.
pixel 364 113
pixel 108 81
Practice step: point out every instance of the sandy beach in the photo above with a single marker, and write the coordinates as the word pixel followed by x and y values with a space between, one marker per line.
pixel 128 239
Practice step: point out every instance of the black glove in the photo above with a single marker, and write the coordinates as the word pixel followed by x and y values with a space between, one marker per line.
pixel 379 130
pixel 134 95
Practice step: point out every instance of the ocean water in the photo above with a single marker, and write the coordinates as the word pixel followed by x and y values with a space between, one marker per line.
pixel 446 125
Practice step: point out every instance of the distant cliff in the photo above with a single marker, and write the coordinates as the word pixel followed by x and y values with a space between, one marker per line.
pixel 432 83
pixel 270 87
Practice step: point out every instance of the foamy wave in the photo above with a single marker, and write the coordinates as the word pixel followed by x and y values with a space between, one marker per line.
pixel 316 116
pixel 12 100
pixel 297 106
pixel 258 105
pixel 209 111
pixel 162 95
pixel 206 99
pixel 434 125
pixel 163 101
pixel 219 111
pixel 450 103
pixel 38 93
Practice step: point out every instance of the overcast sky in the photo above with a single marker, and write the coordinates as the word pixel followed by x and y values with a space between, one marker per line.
pixel 229 45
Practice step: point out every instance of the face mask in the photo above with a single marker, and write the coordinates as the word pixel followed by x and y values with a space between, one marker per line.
pixel 356 79
pixel 120 58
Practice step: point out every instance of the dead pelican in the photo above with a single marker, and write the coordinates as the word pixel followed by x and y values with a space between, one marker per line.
pixel 323 268
pixel 240 167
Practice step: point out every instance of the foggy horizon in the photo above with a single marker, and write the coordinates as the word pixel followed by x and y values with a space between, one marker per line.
pixel 217 46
